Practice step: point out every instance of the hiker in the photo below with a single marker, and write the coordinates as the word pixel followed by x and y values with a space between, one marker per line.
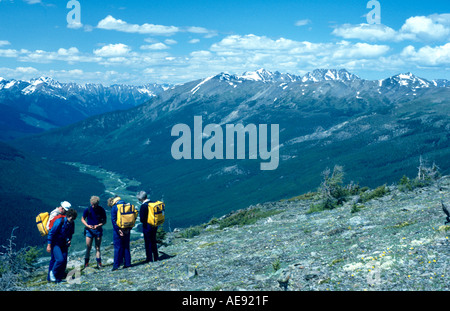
pixel 151 248
pixel 121 236
pixel 59 240
pixel 94 217
pixel 60 210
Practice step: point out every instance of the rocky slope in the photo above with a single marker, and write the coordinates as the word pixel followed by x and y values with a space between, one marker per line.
pixel 396 242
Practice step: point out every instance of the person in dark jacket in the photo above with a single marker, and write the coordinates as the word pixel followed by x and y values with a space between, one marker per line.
pixel 151 248
pixel 121 237
pixel 94 217
pixel 59 239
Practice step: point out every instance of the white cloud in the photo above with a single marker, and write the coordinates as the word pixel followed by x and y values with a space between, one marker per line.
pixel 302 22
pixel 201 30
pixel 430 28
pixel 4 42
pixel 253 42
pixel 71 55
pixel 111 23
pixel 345 49
pixel 155 46
pixel 75 25
pixel 19 73
pixel 68 52
pixel 113 50
pixel 170 41
pixel 428 56
pixel 367 32
pixel 8 53
pixel 427 28
pixel 33 1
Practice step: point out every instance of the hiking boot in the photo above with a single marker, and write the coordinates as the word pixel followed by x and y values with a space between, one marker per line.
pixel 99 265
pixel 52 277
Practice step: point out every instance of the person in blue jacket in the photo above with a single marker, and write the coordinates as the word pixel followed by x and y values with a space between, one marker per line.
pixel 59 239
pixel 121 237
pixel 151 247
pixel 94 217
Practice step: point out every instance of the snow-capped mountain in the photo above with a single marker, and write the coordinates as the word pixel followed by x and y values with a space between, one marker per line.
pixel 319 75
pixel 28 107
pixel 376 129
pixel 43 103
pixel 409 80
pixel 264 75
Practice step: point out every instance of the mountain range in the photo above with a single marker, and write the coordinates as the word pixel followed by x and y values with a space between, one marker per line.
pixel 376 129
pixel 29 107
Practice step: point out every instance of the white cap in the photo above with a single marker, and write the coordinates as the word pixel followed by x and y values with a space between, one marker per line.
pixel 66 205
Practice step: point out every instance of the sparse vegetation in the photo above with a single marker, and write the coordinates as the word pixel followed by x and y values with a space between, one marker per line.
pixel 14 263
pixel 191 232
pixel 356 208
pixel 276 265
pixel 425 176
pixel 160 236
pixel 331 190
pixel 246 217
pixel 376 193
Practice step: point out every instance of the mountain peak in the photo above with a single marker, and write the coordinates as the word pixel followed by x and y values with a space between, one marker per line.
pixel 45 80
pixel 319 75
pixel 258 75
pixel 268 76
pixel 410 80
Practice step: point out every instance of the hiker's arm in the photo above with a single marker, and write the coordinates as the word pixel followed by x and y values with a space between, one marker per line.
pixel 69 238
pixel 114 218
pixel 52 233
pixel 83 220
pixel 143 213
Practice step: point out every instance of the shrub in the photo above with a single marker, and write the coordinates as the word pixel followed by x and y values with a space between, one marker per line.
pixel 160 236
pixel 246 217
pixel 377 193
pixel 13 264
pixel 356 208
pixel 276 265
pixel 405 184
pixel 191 232
pixel 331 191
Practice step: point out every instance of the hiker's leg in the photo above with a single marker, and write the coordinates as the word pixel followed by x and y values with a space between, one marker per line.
pixel 126 250
pixel 147 244
pixel 98 255
pixel 58 267
pixel 51 264
pixel 118 254
pixel 153 245
pixel 88 249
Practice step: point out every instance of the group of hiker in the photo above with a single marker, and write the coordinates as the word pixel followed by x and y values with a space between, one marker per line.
pixel 59 227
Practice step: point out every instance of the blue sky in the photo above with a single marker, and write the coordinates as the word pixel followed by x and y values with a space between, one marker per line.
pixel 174 41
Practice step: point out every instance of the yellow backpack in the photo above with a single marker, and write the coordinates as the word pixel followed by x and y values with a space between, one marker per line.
pixel 41 222
pixel 126 215
pixel 156 215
